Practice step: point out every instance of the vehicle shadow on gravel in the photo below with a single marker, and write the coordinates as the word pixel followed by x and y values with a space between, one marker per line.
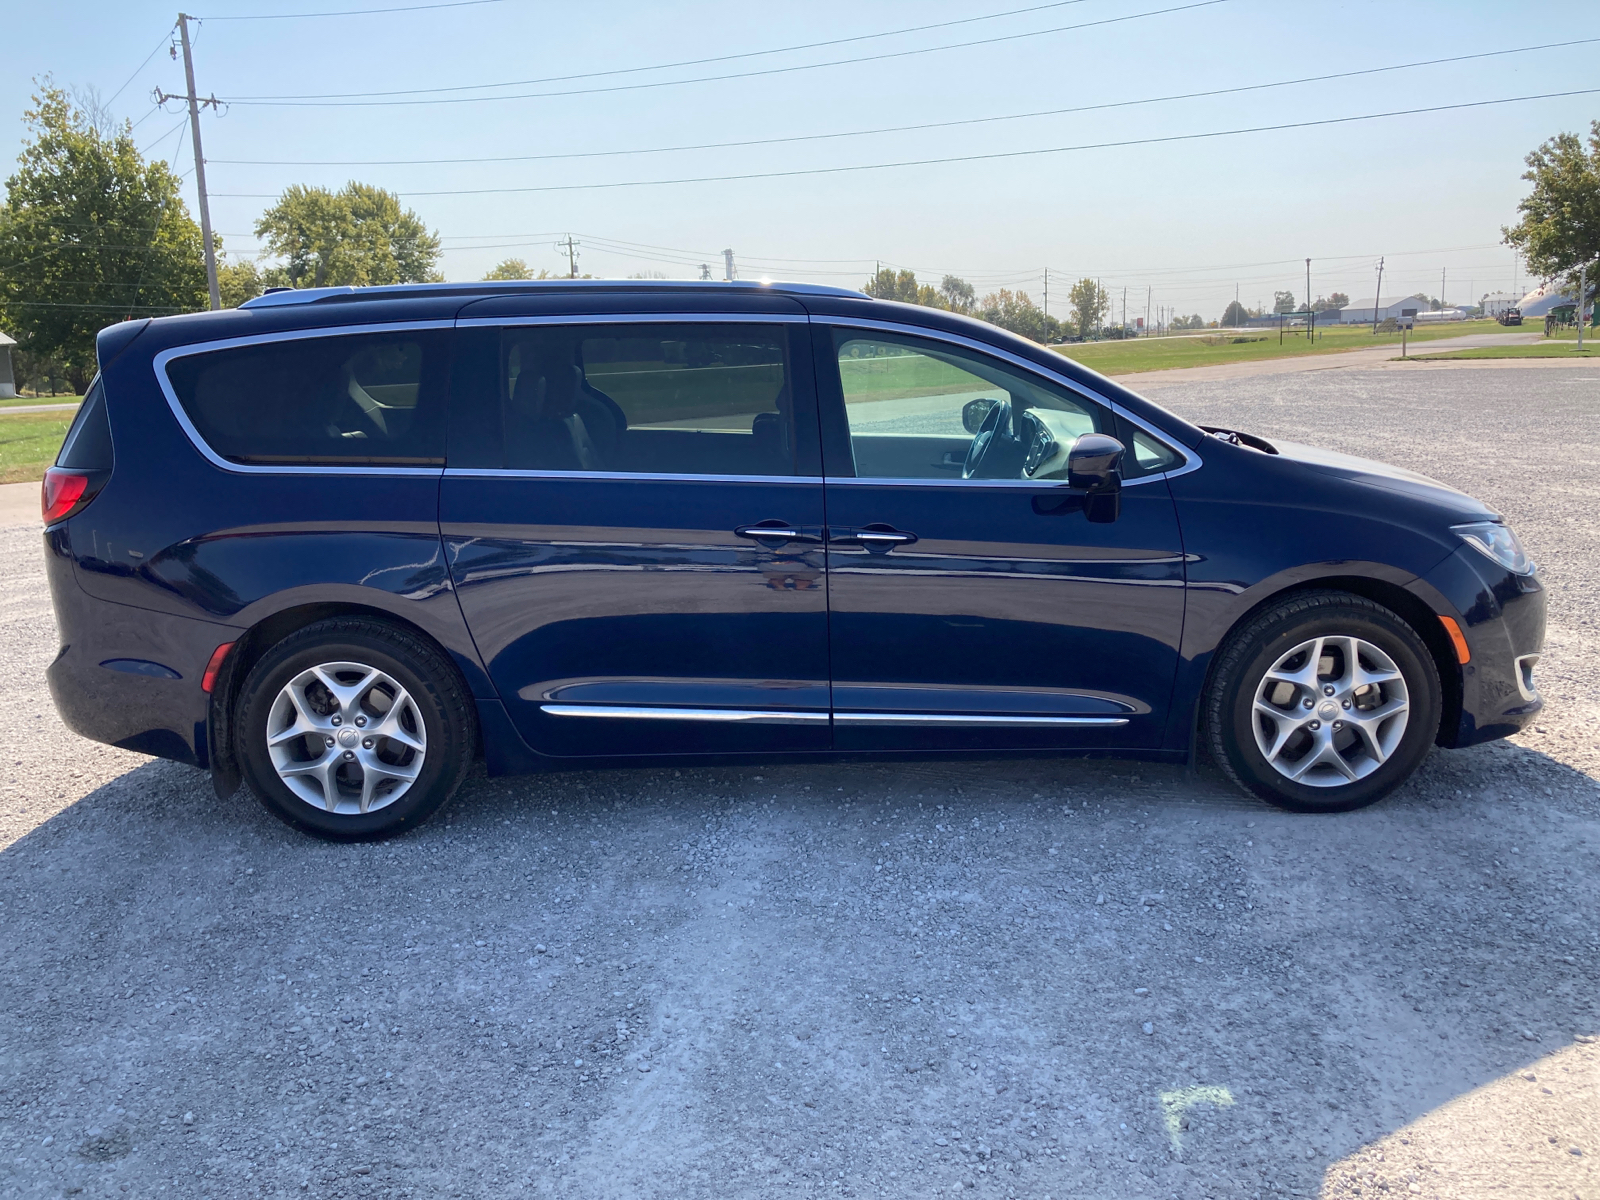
pixel 1012 977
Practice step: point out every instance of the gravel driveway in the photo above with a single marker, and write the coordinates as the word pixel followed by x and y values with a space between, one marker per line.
pixel 1027 979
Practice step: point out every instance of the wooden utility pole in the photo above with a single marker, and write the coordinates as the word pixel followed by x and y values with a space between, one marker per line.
pixel 1377 297
pixel 195 105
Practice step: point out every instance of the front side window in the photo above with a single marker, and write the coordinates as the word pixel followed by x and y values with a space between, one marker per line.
pixel 357 400
pixel 919 409
pixel 659 399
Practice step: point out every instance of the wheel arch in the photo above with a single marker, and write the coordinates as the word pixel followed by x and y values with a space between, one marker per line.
pixel 266 633
pixel 1398 599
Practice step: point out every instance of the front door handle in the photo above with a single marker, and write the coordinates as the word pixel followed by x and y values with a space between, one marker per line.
pixel 877 538
pixel 774 533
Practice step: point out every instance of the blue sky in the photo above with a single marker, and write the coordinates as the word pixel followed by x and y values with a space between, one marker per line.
pixel 1182 222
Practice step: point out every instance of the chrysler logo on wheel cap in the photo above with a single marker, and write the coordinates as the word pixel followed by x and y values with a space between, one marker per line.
pixel 1328 711
pixel 348 737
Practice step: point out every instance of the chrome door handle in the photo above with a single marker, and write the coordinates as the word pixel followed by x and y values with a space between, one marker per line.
pixel 877 539
pixel 776 533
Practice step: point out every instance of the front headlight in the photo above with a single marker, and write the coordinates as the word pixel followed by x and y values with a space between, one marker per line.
pixel 1497 542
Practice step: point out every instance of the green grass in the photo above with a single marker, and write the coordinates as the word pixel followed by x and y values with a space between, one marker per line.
pixel 1159 354
pixel 1551 349
pixel 29 443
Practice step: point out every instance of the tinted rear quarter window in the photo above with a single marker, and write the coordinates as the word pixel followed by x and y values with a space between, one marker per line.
pixel 87 446
pixel 359 399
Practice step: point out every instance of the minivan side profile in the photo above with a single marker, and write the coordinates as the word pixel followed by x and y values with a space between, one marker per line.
pixel 341 543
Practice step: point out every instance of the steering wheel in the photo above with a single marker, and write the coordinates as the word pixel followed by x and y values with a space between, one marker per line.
pixel 996 427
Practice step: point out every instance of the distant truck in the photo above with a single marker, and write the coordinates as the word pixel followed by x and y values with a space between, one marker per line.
pixel 1511 316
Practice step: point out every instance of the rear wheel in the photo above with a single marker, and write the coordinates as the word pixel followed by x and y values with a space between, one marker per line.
pixel 353 729
pixel 1324 702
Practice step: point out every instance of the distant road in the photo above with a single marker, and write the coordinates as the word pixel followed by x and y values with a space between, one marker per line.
pixel 8 409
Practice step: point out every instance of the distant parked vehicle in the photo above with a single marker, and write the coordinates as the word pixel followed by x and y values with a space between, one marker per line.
pixel 1511 316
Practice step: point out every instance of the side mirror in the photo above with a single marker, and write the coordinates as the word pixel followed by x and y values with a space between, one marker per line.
pixel 974 413
pixel 1094 467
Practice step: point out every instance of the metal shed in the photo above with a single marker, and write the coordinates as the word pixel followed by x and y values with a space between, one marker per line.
pixel 8 381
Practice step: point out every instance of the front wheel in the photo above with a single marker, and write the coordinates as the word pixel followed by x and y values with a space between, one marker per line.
pixel 1324 702
pixel 353 729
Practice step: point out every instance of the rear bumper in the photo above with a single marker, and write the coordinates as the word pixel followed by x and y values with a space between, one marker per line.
pixel 127 676
pixel 1502 616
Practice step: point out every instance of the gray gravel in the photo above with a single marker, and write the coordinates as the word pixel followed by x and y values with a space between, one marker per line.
pixel 1027 979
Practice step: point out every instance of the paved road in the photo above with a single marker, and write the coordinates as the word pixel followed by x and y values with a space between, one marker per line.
pixel 1047 978
pixel 9 409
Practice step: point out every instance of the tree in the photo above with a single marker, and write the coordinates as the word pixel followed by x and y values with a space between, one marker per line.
pixel 958 294
pixel 237 281
pixel 1331 303
pixel 1017 312
pixel 1090 302
pixel 1560 227
pixel 1234 314
pixel 90 233
pixel 358 236
pixel 1283 302
pixel 510 268
pixel 1193 321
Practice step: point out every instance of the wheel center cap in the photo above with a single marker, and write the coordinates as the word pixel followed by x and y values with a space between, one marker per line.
pixel 1328 711
pixel 348 737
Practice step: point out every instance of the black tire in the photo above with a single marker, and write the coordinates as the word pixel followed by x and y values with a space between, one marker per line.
pixel 1230 715
pixel 440 702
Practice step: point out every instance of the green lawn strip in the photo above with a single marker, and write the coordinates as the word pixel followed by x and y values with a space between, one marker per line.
pixel 26 401
pixel 1536 350
pixel 1158 354
pixel 29 443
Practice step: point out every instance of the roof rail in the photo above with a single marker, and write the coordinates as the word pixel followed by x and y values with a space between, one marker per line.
pixel 283 296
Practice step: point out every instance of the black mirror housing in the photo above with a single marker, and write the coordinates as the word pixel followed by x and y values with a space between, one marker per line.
pixel 1094 467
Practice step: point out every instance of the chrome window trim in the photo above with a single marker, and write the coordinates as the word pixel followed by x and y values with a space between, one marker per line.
pixel 953 719
pixel 159 365
pixel 615 476
pixel 630 318
pixel 1192 460
pixel 735 716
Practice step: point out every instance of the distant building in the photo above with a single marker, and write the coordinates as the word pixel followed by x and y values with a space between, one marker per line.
pixel 1360 312
pixel 1496 303
pixel 8 381
pixel 1538 303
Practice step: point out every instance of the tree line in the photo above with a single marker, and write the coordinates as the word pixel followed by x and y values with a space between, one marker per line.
pixel 91 233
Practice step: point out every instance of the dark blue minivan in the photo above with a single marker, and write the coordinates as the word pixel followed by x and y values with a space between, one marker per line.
pixel 339 543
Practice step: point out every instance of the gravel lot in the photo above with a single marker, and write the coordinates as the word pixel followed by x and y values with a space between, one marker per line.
pixel 1015 979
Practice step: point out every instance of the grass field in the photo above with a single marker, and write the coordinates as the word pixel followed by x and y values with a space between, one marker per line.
pixel 1550 349
pixel 1158 354
pixel 29 443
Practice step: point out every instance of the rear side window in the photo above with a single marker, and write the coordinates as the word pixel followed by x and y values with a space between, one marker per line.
pixel 357 400
pixel 694 399
pixel 88 442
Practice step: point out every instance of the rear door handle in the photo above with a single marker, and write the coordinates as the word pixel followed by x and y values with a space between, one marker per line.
pixel 773 534
pixel 877 538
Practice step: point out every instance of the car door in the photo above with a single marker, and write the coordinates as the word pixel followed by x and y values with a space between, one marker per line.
pixel 633 515
pixel 973 603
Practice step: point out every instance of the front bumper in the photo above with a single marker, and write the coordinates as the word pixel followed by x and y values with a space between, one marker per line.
pixel 1502 616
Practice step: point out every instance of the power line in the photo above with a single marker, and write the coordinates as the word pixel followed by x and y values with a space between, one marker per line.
pixel 356 100
pixel 165 38
pixel 814 137
pixel 700 62
pixel 966 158
pixel 352 12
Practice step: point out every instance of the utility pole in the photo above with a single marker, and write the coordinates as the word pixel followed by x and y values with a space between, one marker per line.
pixel 195 105
pixel 727 262
pixel 571 247
pixel 1148 292
pixel 1124 312
pixel 1377 297
pixel 1047 293
pixel 1308 285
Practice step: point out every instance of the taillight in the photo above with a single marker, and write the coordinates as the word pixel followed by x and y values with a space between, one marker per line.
pixel 214 666
pixel 64 491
